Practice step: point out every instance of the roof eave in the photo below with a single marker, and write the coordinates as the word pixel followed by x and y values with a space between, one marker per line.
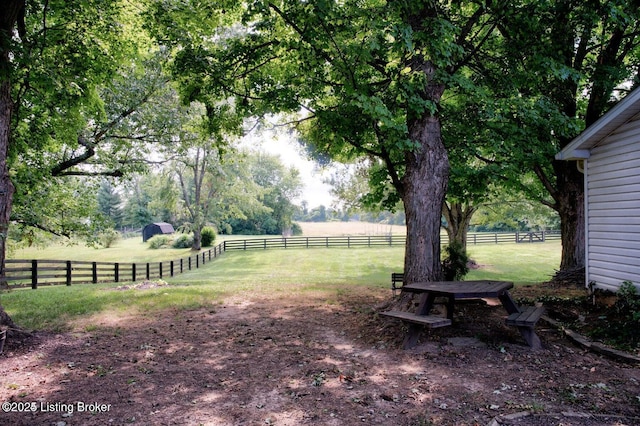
pixel 626 109
pixel 575 154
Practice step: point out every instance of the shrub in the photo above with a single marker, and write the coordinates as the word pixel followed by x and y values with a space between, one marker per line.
pixel 109 237
pixel 454 265
pixel 620 326
pixel 208 235
pixel 159 241
pixel 183 241
pixel 296 229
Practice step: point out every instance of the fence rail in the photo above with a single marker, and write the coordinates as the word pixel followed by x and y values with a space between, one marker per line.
pixel 33 273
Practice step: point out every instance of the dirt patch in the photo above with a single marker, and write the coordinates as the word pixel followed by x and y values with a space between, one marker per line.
pixel 294 360
pixel 144 285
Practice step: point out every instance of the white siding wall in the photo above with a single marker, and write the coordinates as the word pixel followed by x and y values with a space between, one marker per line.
pixel 613 209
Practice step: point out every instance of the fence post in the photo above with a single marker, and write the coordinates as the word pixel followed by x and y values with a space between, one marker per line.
pixel 34 274
pixel 197 261
pixel 94 272
pixel 148 270
pixel 160 266
pixel 68 272
pixel 133 272
pixel 496 237
pixel 517 236
pixel 171 269
pixel 189 262
pixel 116 271
pixel 181 265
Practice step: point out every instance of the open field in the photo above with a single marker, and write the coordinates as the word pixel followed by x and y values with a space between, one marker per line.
pixel 134 247
pixel 321 229
pixel 124 250
pixel 258 272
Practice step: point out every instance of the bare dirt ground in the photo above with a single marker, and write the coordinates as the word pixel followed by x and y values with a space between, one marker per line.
pixel 301 360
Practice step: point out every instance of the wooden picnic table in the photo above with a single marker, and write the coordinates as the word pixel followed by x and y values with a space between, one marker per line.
pixel 524 318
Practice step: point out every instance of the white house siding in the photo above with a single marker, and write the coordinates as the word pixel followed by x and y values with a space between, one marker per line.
pixel 613 208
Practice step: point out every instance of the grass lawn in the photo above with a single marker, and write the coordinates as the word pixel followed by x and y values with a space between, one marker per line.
pixel 269 273
pixel 124 250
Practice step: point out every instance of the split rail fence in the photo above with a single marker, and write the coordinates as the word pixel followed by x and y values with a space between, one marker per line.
pixel 33 273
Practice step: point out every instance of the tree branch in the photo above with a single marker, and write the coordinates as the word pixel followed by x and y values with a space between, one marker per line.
pixel 40 226
pixel 65 165
pixel 548 185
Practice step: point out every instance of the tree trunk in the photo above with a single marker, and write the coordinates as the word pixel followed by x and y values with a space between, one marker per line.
pixel 6 187
pixel 11 10
pixel 570 205
pixel 458 220
pixel 425 185
pixel 197 237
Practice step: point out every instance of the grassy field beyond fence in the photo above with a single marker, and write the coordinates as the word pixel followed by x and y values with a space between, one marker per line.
pixel 269 273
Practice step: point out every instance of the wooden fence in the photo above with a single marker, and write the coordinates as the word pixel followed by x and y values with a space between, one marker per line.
pixel 34 273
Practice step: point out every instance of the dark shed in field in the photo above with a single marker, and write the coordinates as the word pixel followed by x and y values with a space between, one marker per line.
pixel 156 228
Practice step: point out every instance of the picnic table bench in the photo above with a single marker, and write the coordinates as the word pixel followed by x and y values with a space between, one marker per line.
pixel 396 278
pixel 524 318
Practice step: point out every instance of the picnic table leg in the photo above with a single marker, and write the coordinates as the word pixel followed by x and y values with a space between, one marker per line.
pixel 450 301
pixel 426 304
pixel 424 307
pixel 411 339
pixel 528 333
pixel 509 304
pixel 530 337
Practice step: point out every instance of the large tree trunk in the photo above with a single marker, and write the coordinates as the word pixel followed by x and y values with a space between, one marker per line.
pixel 569 200
pixel 425 185
pixel 6 187
pixel 11 10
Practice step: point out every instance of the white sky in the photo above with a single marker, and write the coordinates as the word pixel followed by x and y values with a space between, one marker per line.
pixel 315 192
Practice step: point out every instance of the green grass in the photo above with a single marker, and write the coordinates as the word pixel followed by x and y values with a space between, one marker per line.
pixel 520 263
pixel 125 250
pixel 253 273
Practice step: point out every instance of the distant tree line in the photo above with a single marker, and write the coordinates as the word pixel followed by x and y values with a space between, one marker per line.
pixel 254 195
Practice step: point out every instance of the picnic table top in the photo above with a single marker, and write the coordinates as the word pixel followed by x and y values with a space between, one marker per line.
pixel 461 289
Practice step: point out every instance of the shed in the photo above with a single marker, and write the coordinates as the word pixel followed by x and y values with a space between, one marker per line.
pixel 156 228
pixel 608 152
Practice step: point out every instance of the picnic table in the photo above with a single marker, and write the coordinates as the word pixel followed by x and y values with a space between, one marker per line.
pixel 522 317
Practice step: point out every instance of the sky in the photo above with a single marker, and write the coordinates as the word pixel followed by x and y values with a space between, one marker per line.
pixel 315 192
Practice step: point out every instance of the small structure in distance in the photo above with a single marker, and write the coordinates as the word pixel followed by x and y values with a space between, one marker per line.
pixel 155 229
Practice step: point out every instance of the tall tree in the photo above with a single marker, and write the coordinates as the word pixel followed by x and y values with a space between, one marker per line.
pixel 12 13
pixel 52 55
pixel 583 56
pixel 281 186
pixel 110 203
pixel 199 174
pixel 369 76
pixel 55 59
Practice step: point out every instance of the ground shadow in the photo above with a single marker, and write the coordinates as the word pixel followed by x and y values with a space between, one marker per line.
pixel 293 360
